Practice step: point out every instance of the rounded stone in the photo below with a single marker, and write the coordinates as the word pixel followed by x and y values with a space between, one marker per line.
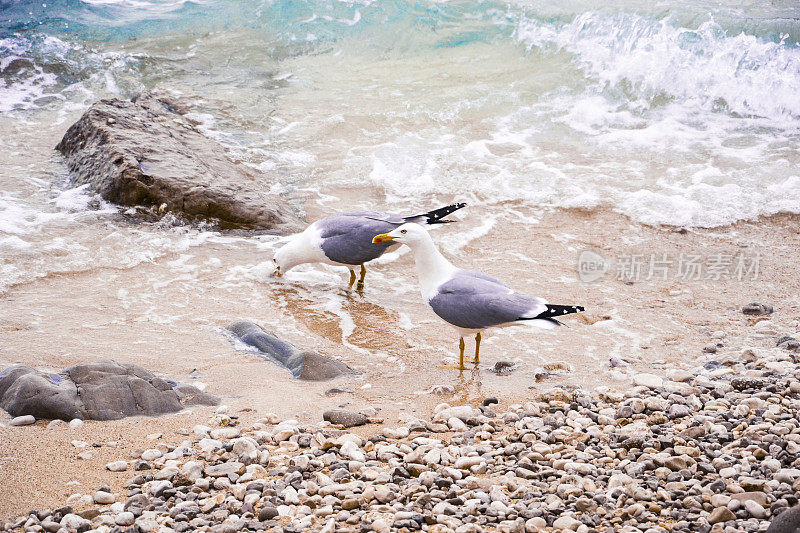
pixel 267 512
pixel 125 518
pixel 24 420
pixel 103 497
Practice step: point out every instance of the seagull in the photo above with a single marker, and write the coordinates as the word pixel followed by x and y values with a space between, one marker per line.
pixel 346 240
pixel 470 301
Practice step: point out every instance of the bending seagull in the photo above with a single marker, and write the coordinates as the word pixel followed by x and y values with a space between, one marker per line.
pixel 346 239
pixel 467 300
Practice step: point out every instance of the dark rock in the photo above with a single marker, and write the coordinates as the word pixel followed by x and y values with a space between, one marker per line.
pixel 489 401
pixel 344 418
pixel 100 390
pixel 267 513
pixel 789 343
pixel 144 152
pixel 741 384
pixel 757 309
pixel 504 367
pixel 306 366
pixel 786 522
pixel 635 441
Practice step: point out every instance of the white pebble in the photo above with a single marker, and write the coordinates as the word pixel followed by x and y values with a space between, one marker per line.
pixel 117 466
pixel 24 420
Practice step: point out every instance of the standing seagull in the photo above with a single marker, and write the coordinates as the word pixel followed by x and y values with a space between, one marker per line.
pixel 467 300
pixel 346 240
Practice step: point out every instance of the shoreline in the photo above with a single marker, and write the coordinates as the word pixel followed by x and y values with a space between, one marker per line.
pixel 400 376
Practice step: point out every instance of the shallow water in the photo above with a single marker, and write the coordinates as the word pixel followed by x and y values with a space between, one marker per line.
pixel 676 113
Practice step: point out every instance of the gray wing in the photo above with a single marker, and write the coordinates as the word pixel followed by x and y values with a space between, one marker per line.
pixel 347 238
pixel 392 218
pixel 472 300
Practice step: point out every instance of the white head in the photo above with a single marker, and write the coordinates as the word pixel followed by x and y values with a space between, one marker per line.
pixel 292 253
pixel 410 234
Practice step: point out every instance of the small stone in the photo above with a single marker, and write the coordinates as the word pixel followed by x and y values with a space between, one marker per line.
pixel 535 524
pixel 350 504
pixel 755 510
pixel 721 514
pixel 383 494
pixel 489 401
pixel 102 497
pixel 152 454
pixel 745 383
pixel 24 420
pixel 456 424
pixel 267 512
pixel 345 418
pixel 225 469
pixel 789 343
pixel 117 466
pixel 380 526
pixel 757 309
pixel 504 367
pixel 651 381
pixel 676 463
pixel 350 450
pixel 75 423
pixel 566 522
pixel 73 522
pixel 125 518
pixel 677 410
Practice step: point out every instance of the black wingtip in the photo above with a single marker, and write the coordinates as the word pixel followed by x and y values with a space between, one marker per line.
pixel 437 215
pixel 559 310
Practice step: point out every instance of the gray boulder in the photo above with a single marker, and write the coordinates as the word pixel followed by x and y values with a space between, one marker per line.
pixel 100 390
pixel 786 522
pixel 144 152
pixel 304 365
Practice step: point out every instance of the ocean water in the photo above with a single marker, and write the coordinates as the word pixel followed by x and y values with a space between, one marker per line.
pixel 672 113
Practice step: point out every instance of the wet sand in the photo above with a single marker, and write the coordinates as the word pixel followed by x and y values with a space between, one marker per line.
pixel 167 315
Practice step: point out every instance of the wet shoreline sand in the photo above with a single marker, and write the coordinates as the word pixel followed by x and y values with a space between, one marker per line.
pixel 655 325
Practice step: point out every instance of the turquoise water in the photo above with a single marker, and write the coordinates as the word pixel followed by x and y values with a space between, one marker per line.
pixel 678 113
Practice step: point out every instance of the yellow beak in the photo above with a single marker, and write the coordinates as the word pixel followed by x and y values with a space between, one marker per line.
pixel 278 271
pixel 383 237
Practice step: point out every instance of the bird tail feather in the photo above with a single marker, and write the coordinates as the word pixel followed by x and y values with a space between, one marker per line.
pixel 553 311
pixel 436 216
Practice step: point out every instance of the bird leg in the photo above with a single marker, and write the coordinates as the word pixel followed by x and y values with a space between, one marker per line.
pixel 360 285
pixel 352 279
pixel 477 347
pixel 461 355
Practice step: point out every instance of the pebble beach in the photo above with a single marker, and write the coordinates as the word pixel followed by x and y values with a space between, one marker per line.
pixel 714 448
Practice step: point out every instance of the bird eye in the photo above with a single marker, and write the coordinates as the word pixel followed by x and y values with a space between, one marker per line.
pixel 403 231
pixel 274 260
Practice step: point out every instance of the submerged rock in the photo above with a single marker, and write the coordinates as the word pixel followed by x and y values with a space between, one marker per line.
pixel 306 366
pixel 504 367
pixel 100 390
pixel 144 152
